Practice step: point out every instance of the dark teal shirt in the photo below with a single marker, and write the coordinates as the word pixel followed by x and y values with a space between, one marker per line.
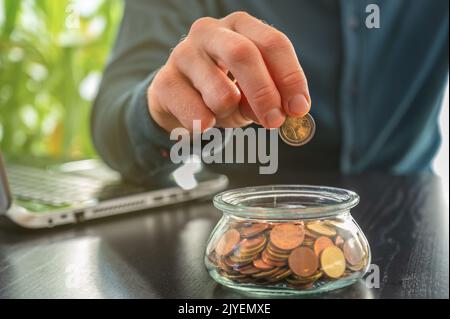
pixel 376 93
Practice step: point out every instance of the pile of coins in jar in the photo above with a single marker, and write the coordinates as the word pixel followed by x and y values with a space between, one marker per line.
pixel 291 254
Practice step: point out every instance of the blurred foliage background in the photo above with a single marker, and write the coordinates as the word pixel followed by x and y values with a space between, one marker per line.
pixel 52 53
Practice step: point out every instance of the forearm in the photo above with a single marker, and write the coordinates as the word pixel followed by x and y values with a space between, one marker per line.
pixel 125 135
pixel 123 131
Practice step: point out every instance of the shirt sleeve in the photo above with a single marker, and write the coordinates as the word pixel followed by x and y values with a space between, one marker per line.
pixel 123 131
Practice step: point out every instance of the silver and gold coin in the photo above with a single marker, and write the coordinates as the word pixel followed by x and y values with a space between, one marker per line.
pixel 297 131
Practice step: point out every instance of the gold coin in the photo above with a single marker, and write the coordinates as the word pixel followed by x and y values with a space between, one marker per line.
pixel 303 280
pixel 321 229
pixel 297 131
pixel 333 262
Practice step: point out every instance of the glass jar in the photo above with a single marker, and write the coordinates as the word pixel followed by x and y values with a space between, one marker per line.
pixel 287 239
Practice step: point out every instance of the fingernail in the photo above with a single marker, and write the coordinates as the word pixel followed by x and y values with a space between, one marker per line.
pixel 298 105
pixel 274 118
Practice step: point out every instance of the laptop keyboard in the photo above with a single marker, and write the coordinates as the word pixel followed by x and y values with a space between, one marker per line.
pixel 59 189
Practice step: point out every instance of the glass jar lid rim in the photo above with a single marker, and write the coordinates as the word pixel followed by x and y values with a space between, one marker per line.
pixel 331 201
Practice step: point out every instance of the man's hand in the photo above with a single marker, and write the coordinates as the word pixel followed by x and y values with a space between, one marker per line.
pixel 193 84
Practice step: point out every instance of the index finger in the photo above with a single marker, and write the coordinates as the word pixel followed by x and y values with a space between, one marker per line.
pixel 281 60
pixel 245 62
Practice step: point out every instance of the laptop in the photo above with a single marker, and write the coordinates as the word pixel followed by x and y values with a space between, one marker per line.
pixel 36 197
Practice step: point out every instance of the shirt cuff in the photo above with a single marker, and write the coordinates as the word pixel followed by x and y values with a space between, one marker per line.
pixel 149 141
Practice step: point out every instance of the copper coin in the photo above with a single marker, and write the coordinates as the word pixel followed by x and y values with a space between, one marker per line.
pixel 228 263
pixel 321 243
pixel 266 256
pixel 233 276
pixel 245 256
pixel 242 253
pixel 239 254
pixel 212 258
pixel 303 261
pixel 265 274
pixel 227 242
pixel 250 270
pixel 238 258
pixel 283 274
pixel 321 229
pixel 254 242
pixel 253 230
pixel 276 254
pixel 303 280
pixel 260 264
pixel 277 250
pixel 287 236
pixel 280 275
pixel 250 247
pixel 268 260
pixel 353 252
pixel 297 131
pixel 333 262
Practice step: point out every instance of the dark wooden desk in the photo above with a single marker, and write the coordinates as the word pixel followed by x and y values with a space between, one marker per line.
pixel 159 254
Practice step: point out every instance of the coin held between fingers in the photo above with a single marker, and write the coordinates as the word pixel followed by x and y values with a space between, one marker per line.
pixel 298 105
pixel 297 131
pixel 274 118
